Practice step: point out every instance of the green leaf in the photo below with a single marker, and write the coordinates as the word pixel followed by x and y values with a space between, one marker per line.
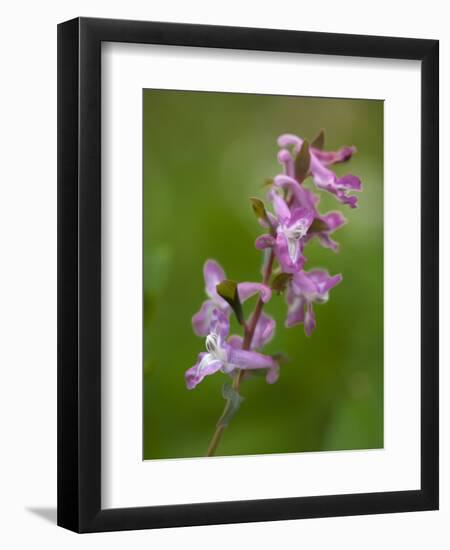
pixel 317 226
pixel 261 213
pixel 280 282
pixel 258 208
pixel 302 162
pixel 229 292
pixel 234 400
pixel 319 141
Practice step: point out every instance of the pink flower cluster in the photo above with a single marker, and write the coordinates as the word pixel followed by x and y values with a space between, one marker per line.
pixel 294 222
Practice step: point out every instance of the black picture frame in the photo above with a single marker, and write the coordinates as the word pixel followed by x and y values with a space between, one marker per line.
pixel 79 274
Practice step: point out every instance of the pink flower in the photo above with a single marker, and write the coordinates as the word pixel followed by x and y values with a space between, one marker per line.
pixel 324 178
pixel 304 289
pixel 226 356
pixel 264 331
pixel 291 229
pixel 322 225
pixel 214 274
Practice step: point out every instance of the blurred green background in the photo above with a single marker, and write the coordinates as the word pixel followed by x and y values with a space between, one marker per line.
pixel 205 153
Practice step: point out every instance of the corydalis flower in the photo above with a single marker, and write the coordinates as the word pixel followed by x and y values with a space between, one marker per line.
pixel 306 288
pixel 322 225
pixel 226 356
pixel 323 177
pixel 264 331
pixel 213 275
pixel 291 229
pixel 295 220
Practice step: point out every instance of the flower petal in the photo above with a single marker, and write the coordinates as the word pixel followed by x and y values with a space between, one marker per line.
pixel 220 324
pixel 264 241
pixel 214 274
pixel 273 374
pixel 333 157
pixel 328 181
pixel 203 367
pixel 310 320
pixel 244 359
pixel 235 341
pixel 247 290
pixel 303 285
pixel 323 281
pixel 349 182
pixel 296 312
pixel 281 208
pixel 327 242
pixel 286 160
pixel 322 176
pixel 334 220
pixel 325 225
pixel 201 321
pixel 303 216
pixel 290 140
pixel 291 259
pixel 264 330
pixel 351 200
pixel 285 181
pixel 301 195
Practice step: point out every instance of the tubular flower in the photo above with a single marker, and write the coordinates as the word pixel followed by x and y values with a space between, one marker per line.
pixel 324 178
pixel 306 288
pixel 294 220
pixel 213 275
pixel 291 229
pixel 226 356
pixel 322 225
pixel 264 331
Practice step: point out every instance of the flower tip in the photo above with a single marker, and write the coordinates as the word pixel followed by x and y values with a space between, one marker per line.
pixel 266 293
pixel 284 156
pixel 289 323
pixel 197 325
pixel 349 182
pixel 309 323
pixel 190 381
pixel 210 263
pixel 287 140
pixel 273 374
pixel 281 180
pixel 264 241
pixel 347 152
pixel 201 320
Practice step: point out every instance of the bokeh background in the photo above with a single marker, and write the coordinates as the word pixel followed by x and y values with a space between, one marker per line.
pixel 205 153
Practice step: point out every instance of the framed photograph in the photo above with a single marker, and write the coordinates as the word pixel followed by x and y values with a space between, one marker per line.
pixel 248 275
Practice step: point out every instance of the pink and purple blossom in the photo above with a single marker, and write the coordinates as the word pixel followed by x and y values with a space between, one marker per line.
pixel 226 355
pixel 304 289
pixel 213 275
pixel 322 225
pixel 294 222
pixel 291 229
pixel 324 178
